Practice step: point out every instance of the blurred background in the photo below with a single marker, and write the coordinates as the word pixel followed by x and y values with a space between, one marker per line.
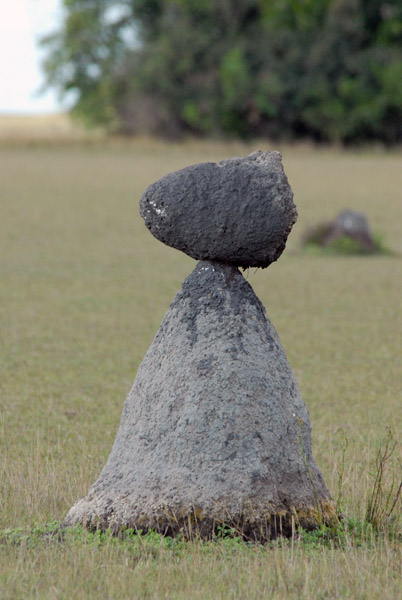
pixel 320 70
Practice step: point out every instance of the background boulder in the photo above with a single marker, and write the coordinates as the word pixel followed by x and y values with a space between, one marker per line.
pixel 348 232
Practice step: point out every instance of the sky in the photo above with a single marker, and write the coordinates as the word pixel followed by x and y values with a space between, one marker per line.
pixel 22 23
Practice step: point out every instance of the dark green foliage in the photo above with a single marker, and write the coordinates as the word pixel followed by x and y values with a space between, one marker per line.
pixel 330 70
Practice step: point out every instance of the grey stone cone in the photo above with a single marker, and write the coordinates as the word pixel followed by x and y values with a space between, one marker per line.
pixel 214 431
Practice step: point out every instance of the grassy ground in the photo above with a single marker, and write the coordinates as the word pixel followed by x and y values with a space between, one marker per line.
pixel 83 288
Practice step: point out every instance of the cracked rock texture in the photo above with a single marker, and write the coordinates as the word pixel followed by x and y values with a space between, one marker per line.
pixel 214 429
pixel 238 211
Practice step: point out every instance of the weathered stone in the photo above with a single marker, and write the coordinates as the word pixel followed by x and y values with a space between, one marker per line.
pixel 214 430
pixel 351 224
pixel 239 211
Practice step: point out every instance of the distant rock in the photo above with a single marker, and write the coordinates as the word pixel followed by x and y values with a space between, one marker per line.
pixel 214 429
pixel 348 224
pixel 353 224
pixel 238 211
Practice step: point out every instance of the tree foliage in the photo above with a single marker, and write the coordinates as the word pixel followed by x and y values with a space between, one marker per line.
pixel 330 70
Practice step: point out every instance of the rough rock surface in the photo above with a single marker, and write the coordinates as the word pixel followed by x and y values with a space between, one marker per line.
pixel 238 211
pixel 214 429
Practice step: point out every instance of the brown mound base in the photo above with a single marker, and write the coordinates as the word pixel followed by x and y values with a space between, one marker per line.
pixel 192 523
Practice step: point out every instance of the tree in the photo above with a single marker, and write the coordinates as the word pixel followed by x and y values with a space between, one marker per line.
pixel 330 70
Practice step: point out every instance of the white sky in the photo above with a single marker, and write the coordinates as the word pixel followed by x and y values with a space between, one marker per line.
pixel 22 23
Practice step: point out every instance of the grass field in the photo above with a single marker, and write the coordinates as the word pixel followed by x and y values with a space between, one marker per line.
pixel 83 288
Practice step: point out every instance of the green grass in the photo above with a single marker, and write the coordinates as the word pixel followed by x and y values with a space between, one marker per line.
pixel 80 565
pixel 83 288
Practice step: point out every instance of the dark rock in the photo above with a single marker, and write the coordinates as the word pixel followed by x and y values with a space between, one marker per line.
pixel 239 211
pixel 214 430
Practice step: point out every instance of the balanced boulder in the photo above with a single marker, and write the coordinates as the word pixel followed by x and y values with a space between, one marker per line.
pixel 238 211
pixel 214 432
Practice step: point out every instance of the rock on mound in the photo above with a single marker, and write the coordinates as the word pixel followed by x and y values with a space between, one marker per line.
pixel 214 431
pixel 239 211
